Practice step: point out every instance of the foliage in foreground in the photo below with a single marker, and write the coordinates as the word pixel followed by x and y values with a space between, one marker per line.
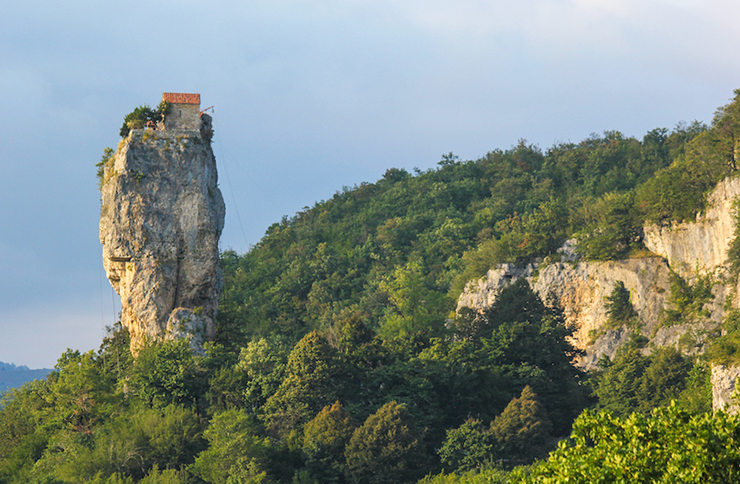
pixel 670 445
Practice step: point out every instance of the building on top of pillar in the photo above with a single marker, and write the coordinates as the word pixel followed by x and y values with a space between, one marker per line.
pixel 184 111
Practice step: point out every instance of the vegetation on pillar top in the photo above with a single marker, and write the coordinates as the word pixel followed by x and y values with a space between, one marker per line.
pixel 139 117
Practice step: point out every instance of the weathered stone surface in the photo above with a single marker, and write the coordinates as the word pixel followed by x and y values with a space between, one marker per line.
pixel 185 323
pixel 702 244
pixel 724 380
pixel 689 249
pixel 481 293
pixel 161 218
pixel 580 288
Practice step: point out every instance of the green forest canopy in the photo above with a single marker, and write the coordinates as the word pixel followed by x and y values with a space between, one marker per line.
pixel 398 252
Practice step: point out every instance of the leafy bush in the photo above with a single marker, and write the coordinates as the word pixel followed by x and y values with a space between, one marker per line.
pixel 667 446
pixel 103 164
pixel 686 301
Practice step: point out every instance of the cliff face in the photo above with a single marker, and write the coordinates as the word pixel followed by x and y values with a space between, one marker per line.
pixel 724 383
pixel 580 287
pixel 161 217
pixel 702 244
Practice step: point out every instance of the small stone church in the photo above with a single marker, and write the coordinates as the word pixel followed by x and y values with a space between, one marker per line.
pixel 184 112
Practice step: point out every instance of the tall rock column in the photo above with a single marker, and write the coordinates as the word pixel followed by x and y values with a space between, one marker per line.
pixel 161 218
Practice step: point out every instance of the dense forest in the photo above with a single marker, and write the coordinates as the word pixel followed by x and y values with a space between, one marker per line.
pixel 339 357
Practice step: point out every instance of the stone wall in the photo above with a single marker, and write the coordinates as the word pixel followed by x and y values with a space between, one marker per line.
pixel 183 116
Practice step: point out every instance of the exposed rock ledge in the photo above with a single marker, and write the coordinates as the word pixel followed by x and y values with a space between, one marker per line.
pixel 688 248
pixel 723 388
pixel 580 288
pixel 702 244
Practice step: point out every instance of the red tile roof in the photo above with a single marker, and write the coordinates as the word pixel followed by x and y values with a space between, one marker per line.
pixel 181 98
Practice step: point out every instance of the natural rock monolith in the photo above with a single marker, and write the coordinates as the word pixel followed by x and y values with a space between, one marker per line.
pixel 161 218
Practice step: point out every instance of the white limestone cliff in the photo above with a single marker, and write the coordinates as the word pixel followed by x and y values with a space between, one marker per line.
pixel 579 288
pixel 702 244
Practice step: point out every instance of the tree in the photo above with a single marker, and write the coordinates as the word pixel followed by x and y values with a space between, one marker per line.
pixel 79 394
pixel 168 372
pixel 129 444
pixel 237 449
pixel 618 386
pixel 138 118
pixel 324 440
pixel 664 378
pixel 523 428
pixel 612 229
pixel 414 307
pixel 518 435
pixel 114 354
pixel 469 446
pixel 687 300
pixel 102 164
pixel 726 133
pixel 22 436
pixel 637 383
pixel 619 309
pixel 529 343
pixel 167 476
pixel 312 381
pixel 386 449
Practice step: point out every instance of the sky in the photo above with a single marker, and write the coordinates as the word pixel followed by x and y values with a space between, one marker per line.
pixel 309 97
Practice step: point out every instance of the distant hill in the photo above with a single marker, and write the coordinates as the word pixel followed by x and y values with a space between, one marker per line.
pixel 12 376
pixel 11 367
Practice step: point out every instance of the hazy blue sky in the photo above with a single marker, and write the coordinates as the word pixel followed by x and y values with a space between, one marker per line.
pixel 310 96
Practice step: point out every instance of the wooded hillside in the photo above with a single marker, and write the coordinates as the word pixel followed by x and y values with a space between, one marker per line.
pixel 339 359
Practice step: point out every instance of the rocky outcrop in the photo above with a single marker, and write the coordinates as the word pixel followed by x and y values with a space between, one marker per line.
pixel 724 380
pixel 701 245
pixel 580 288
pixel 690 249
pixel 161 218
